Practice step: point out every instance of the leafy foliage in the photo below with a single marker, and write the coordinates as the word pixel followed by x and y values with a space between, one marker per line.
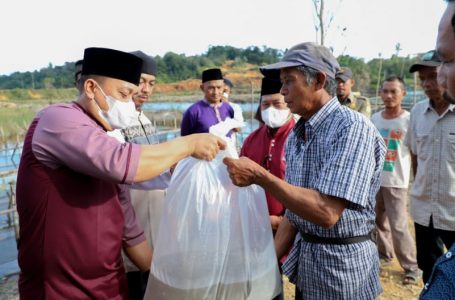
pixel 173 67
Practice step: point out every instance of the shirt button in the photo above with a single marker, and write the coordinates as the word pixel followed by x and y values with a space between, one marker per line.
pixel 449 254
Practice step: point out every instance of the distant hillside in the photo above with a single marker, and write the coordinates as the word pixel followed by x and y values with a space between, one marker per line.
pixel 243 76
pixel 178 73
pixel 172 67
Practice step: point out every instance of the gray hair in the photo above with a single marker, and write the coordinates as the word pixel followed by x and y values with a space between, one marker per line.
pixel 310 75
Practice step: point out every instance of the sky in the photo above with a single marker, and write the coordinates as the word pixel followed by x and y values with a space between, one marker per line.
pixel 35 33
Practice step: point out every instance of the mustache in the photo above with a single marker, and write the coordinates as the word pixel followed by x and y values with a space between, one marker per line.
pixel 448 98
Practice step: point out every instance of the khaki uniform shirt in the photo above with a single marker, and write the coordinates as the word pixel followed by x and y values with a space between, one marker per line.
pixel 358 103
pixel 432 138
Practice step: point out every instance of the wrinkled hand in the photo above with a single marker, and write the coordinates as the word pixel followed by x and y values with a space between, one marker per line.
pixel 243 171
pixel 205 145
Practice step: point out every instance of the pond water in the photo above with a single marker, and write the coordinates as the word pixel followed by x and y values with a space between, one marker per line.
pixel 182 106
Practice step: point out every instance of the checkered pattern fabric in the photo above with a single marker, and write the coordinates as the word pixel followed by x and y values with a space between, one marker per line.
pixel 339 153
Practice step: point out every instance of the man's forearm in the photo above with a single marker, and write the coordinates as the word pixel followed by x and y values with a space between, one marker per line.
pixel 284 237
pixel 307 203
pixel 157 158
pixel 140 255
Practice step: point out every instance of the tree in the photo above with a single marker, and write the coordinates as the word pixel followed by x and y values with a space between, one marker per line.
pixel 323 20
pixel 360 71
pixel 397 49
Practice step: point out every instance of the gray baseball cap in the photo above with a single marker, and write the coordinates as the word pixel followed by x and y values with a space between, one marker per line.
pixel 344 74
pixel 305 54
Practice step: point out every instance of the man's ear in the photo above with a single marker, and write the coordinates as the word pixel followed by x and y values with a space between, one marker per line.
pixel 89 88
pixel 352 82
pixel 320 81
pixel 201 87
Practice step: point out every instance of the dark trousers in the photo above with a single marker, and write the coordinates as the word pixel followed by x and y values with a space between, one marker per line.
pixel 137 283
pixel 430 246
pixel 280 296
pixel 298 294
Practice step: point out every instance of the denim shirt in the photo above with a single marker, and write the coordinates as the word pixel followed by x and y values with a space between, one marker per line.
pixel 441 284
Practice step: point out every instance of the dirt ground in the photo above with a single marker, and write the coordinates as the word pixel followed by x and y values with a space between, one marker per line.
pixel 390 279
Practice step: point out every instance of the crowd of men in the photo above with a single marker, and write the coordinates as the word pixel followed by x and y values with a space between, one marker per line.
pixel 336 178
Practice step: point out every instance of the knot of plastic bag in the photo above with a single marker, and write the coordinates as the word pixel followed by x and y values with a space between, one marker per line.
pixel 221 130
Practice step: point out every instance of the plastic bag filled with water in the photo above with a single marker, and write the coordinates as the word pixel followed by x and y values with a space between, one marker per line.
pixel 215 239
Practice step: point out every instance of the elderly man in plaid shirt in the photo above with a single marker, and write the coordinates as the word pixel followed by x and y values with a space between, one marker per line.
pixel 334 158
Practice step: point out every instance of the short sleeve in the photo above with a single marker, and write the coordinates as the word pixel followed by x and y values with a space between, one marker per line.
pixel 238 115
pixel 160 182
pixel 66 137
pixel 186 126
pixel 410 140
pixel 231 111
pixel 350 163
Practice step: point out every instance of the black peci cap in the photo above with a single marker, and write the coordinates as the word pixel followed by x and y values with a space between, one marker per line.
pixel 148 63
pixel 228 82
pixel 211 74
pixel 112 63
pixel 270 86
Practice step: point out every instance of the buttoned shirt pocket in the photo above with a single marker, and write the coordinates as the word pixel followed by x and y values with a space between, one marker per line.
pixel 451 145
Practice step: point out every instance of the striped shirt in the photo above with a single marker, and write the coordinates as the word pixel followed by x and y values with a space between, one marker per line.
pixel 339 153
pixel 432 138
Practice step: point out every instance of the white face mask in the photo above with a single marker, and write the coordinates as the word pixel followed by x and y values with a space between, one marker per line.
pixel 120 114
pixel 275 118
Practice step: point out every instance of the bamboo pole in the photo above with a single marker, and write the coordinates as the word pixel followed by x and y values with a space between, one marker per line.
pixel 378 83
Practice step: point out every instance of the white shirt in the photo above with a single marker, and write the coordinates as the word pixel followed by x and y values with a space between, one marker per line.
pixel 432 138
pixel 397 165
pixel 238 115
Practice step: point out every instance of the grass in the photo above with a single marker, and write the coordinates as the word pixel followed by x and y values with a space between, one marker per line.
pixel 49 95
pixel 14 121
pixel 17 109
